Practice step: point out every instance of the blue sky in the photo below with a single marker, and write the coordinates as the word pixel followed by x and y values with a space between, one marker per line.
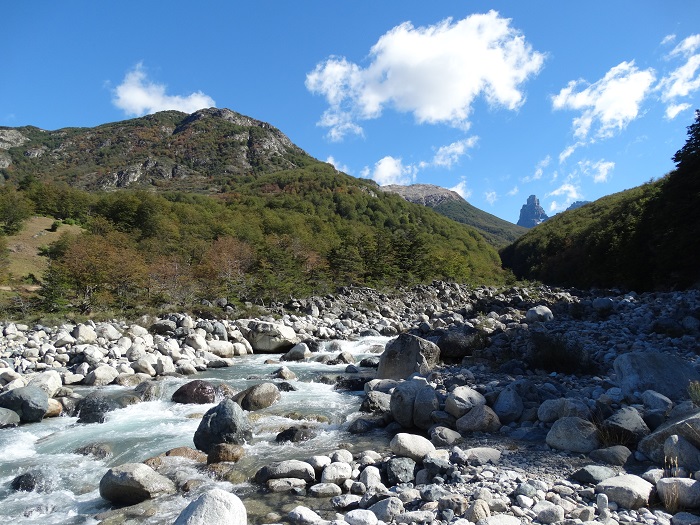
pixel 497 100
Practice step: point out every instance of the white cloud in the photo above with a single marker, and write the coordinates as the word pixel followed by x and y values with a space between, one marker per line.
pixel 337 165
pixel 491 197
pixel 434 72
pixel 599 170
pixel 684 80
pixel 668 39
pixel 137 96
pixel 674 110
pixel 461 189
pixel 539 170
pixel 391 170
pixel 571 191
pixel 609 104
pixel 513 192
pixel 449 155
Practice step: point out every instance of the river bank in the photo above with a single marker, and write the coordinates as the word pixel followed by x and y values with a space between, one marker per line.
pixel 497 344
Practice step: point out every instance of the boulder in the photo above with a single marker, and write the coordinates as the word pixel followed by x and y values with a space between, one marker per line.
pixel 298 352
pixel 221 348
pixel 267 337
pixel 481 418
pixel 411 446
pixel 573 434
pixel 258 396
pixel 214 507
pixel 8 418
pixel 49 382
pixel 688 427
pixel 626 426
pixel 291 468
pixel 133 483
pixel 30 403
pixel 665 373
pixel 94 407
pixel 197 392
pixel 224 423
pixel 405 355
pixel 679 493
pixel 539 314
pixel 508 406
pixel 456 345
pixel 461 400
pixel 682 453
pixel 425 403
pixel 225 452
pixel 337 472
pixel 84 334
pixel 387 509
pixel 628 491
pixel 400 470
pixel 101 376
pixel 552 409
pixel 402 401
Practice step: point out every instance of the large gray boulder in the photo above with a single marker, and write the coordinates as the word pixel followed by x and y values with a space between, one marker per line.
pixel 258 396
pixel 49 382
pixel 402 401
pixel 508 406
pixel 626 426
pixel 8 418
pixel 628 491
pixel 133 483
pixel 573 434
pixel 212 508
pixel 665 373
pixel 29 402
pixel 224 423
pixel 291 468
pixel 462 399
pixel 679 493
pixel 405 355
pixel 411 446
pixel 101 376
pixel 267 337
pixel 481 418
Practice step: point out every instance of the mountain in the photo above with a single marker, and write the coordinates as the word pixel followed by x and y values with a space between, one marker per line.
pixel 497 232
pixel 531 214
pixel 172 150
pixel 177 208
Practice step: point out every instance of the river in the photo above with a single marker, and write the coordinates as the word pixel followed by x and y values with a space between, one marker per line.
pixel 147 429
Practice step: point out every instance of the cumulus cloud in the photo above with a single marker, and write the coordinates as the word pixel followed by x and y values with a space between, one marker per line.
pixel 448 156
pixel 685 79
pixel 434 72
pixel 462 189
pixel 491 197
pixel 391 170
pixel 609 104
pixel 599 170
pixel 137 96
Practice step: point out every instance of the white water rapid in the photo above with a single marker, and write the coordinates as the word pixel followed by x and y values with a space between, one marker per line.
pixel 69 493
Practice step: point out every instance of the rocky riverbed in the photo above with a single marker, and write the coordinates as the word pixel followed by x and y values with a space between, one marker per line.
pixel 492 406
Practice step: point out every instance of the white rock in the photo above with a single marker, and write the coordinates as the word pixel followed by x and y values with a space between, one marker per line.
pixel 214 507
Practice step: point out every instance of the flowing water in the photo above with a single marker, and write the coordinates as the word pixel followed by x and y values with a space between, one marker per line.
pixel 69 492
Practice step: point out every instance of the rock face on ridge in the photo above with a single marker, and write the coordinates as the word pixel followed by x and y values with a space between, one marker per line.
pixel 425 194
pixel 532 214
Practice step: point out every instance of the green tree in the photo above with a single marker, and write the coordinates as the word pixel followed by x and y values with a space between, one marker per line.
pixel 15 209
pixel 688 157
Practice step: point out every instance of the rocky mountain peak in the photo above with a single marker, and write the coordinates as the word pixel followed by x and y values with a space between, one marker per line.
pixel 425 194
pixel 532 214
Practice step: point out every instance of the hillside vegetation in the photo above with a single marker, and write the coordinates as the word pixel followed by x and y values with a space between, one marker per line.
pixel 262 225
pixel 645 238
pixel 495 230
